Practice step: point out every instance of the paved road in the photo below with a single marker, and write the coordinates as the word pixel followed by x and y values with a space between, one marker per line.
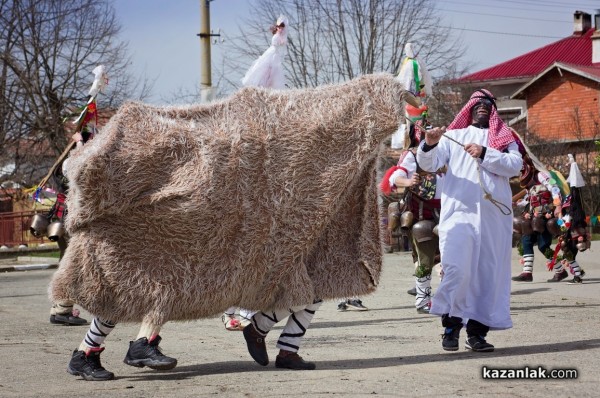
pixel 389 350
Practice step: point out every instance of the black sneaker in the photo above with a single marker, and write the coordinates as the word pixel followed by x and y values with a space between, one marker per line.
pixel 412 292
pixel 478 344
pixel 293 361
pixel 523 277
pixel 559 276
pixel 68 319
pixel 89 366
pixel 450 338
pixel 342 306
pixel 576 280
pixel 141 353
pixel 356 305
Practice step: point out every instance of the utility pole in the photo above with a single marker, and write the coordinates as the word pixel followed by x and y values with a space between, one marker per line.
pixel 207 91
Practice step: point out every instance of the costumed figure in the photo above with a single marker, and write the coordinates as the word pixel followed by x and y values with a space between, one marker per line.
pixel 52 223
pixel 574 236
pixel 475 226
pixel 541 206
pixel 267 70
pixel 144 351
pixel 267 222
pixel 420 212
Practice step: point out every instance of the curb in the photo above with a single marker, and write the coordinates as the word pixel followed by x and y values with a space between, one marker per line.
pixel 27 267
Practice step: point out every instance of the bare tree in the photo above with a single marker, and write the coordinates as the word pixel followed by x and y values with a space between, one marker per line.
pixel 48 49
pixel 336 40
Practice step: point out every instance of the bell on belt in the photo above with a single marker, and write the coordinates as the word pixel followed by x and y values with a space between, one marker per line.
pixel 406 220
pixel 39 225
pixel 553 227
pixel 538 224
pixel 55 231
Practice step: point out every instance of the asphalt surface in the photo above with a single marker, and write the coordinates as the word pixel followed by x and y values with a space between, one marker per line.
pixel 389 350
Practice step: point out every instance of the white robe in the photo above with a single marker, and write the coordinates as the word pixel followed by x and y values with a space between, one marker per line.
pixel 475 237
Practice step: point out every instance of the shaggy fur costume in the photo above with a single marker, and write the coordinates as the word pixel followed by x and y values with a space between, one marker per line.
pixel 265 200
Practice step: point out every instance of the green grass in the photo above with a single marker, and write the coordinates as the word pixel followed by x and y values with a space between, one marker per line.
pixel 53 254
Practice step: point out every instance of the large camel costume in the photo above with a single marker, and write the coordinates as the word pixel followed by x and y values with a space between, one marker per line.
pixel 264 200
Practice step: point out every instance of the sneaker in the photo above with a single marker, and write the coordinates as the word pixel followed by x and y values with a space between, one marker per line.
pixel 143 353
pixel 412 292
pixel 231 323
pixel 356 305
pixel 424 309
pixel 293 361
pixel 68 319
pixel 256 345
pixel 478 344
pixel 576 280
pixel 342 306
pixel 89 366
pixel 523 277
pixel 450 338
pixel 559 276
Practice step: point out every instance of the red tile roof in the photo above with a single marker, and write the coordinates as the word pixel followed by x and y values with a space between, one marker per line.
pixel 576 50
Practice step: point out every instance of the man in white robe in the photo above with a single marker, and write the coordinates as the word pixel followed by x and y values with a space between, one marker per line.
pixel 475 228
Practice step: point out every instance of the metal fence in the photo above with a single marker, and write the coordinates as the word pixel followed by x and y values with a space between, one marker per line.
pixel 14 229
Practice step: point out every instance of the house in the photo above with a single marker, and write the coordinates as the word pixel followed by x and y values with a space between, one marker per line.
pixel 518 82
pixel 551 95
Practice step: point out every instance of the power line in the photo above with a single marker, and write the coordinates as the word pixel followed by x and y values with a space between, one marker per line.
pixel 503 16
pixel 479 4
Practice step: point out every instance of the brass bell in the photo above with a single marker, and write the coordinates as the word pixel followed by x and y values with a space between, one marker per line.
pixel 393 216
pixel 39 225
pixel 406 220
pixel 55 231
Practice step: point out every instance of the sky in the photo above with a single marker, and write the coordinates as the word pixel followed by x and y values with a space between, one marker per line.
pixel 164 46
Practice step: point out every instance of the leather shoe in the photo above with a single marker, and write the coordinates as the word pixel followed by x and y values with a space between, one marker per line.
pixel 256 345
pixel 293 361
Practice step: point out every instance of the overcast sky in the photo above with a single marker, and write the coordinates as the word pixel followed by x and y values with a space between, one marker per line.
pixel 164 46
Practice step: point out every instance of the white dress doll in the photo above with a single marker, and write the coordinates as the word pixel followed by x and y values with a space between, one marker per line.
pixel 267 70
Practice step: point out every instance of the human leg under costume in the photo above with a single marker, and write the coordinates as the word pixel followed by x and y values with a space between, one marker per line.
pixel 299 319
pixel 62 312
pixel 144 351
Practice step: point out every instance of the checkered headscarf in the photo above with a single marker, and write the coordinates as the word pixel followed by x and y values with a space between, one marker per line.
pixel 499 133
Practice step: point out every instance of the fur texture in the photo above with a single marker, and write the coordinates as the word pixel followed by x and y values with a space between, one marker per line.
pixel 264 200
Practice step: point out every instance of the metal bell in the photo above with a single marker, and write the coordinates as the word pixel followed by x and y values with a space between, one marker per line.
pixel 406 220
pixel 55 231
pixel 393 216
pixel 538 224
pixel 39 225
pixel 553 227
pixel 581 246
pixel 423 230
pixel 435 230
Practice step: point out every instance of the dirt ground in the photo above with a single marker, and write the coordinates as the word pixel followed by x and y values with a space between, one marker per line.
pixel 389 350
